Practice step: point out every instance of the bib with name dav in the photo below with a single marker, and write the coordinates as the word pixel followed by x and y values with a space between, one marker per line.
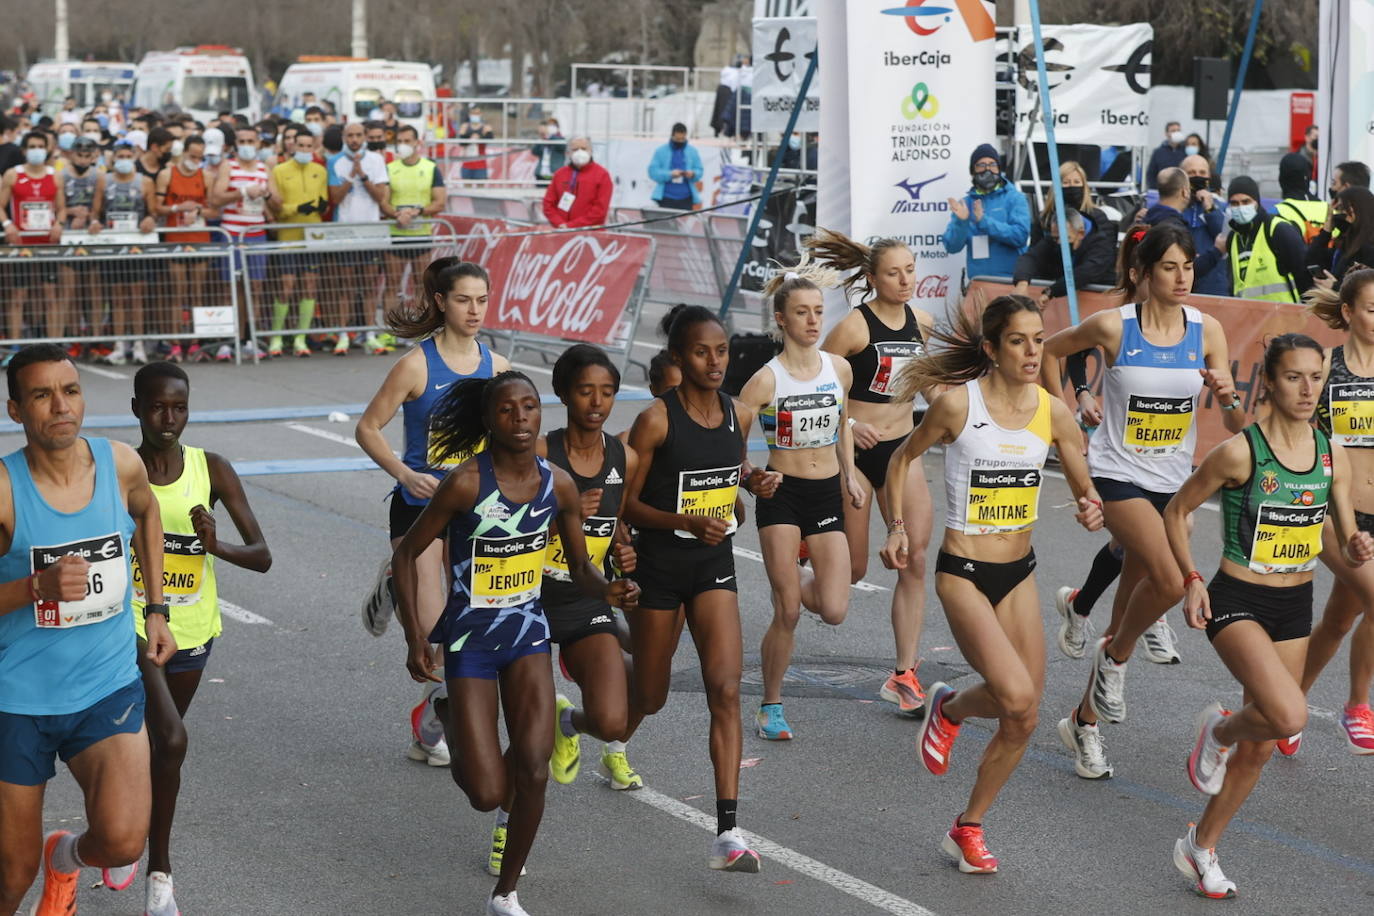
pixel 107 582
pixel 1287 538
pixel 598 531
pixel 1001 501
pixel 893 355
pixel 1156 427
pixel 452 461
pixel 183 570
pixel 807 421
pixel 710 493
pixel 1352 414
pixel 506 571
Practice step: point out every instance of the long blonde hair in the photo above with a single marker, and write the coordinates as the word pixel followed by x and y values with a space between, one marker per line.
pixel 844 255
pixel 805 274
pixel 1326 304
pixel 1067 168
pixel 960 357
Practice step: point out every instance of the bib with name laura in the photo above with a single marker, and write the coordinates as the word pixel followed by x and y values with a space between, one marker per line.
pixel 1273 522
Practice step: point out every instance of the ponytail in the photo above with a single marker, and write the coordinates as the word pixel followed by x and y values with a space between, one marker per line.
pixel 840 253
pixel 961 357
pixel 806 274
pixel 424 318
pixel 458 421
pixel 1326 304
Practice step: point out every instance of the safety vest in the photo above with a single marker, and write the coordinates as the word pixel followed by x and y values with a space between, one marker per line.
pixel 1308 215
pixel 411 186
pixel 1255 273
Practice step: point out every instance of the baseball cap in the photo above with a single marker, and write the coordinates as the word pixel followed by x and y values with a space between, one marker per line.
pixel 214 141
pixel 137 138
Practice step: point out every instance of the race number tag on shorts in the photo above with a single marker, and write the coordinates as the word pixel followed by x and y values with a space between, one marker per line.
pixel 1001 500
pixel 1352 414
pixel 565 202
pixel 1156 427
pixel 506 570
pixel 710 493
pixel 124 221
pixel 598 531
pixel 1287 538
pixel 892 356
pixel 38 215
pixel 807 420
pixel 452 461
pixel 183 570
pixel 107 582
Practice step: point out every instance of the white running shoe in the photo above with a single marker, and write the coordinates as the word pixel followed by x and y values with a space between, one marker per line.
pixel 1160 643
pixel 118 878
pixel 1089 753
pixel 507 905
pixel 1202 867
pixel 224 353
pixel 436 755
pixel 251 350
pixel 1075 630
pixel 729 852
pixel 1107 692
pixel 137 355
pixel 160 900
pixel 380 605
pixel 1207 762
pixel 117 356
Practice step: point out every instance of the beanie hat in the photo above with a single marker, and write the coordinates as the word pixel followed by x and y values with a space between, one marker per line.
pixel 985 151
pixel 1243 184
pixel 1295 170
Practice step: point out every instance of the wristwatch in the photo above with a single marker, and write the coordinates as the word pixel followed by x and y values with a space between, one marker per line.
pixel 157 609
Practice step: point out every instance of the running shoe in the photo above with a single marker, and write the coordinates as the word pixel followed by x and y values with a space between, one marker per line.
pixel 274 346
pixel 937 734
pixel 197 354
pixel 301 351
pixel 118 354
pixel 1160 643
pixel 175 355
pixel 1358 722
pixel 380 605
pixel 505 905
pixel 803 554
pixel 224 353
pixel 968 847
pixel 160 899
pixel 119 877
pixel 498 852
pixel 341 345
pixel 251 350
pixel 387 340
pixel 1207 762
pixel 1289 747
pixel 905 691
pixel 1089 753
pixel 1075 630
pixel 1202 867
pixel 729 852
pixel 566 760
pixel 137 354
pixel 772 725
pixel 74 352
pixel 616 768
pixel 59 887
pixel 1107 691
pixel 427 731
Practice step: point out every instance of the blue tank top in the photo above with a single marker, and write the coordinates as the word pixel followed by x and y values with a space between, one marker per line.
pixel 58 658
pixel 497 554
pixel 415 414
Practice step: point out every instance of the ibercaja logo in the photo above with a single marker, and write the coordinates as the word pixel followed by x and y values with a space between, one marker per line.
pixel 926 17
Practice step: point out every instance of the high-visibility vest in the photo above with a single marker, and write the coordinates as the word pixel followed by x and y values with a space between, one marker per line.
pixel 1307 215
pixel 1255 272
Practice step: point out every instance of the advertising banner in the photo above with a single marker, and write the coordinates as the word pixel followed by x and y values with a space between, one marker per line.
pixel 921 98
pixel 783 49
pixel 1099 83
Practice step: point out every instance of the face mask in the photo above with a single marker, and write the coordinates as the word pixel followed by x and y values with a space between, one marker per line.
pixel 1197 182
pixel 303 158
pixel 1340 222
pixel 104 121
pixel 213 158
pixel 1314 143
pixel 1177 137
pixel 247 151
pixel 376 145
pixel 405 150
pixel 92 135
pixel 190 166
pixel 65 141
pixel 264 153
pixel 178 148
pixel 106 96
pixel 124 166
pixel 986 181
pixel 1244 214
pixel 315 127
pixel 677 144
pixel 1191 149
pixel 1073 198
pixel 475 119
pixel 35 155
pixel 794 142
pixel 580 157
pixel 80 167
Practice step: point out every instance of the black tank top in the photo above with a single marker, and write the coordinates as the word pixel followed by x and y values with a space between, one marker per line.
pixel 694 472
pixel 1346 409
pixel 876 366
pixel 559 593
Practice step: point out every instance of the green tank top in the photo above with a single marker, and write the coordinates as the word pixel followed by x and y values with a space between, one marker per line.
pixel 188 572
pixel 1272 523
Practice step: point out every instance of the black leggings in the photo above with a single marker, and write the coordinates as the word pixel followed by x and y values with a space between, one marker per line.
pixel 995 580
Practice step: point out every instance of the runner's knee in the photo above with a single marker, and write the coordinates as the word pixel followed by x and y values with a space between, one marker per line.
pixel 722 691
pixel 169 742
pixel 786 608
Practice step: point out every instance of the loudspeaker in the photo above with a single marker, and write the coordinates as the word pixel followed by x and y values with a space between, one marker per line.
pixel 1211 83
pixel 748 353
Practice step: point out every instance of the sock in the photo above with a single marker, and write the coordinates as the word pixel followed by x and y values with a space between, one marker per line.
pixel 1077 720
pixel 502 817
pixel 279 311
pixel 900 671
pixel 1197 850
pixel 64 855
pixel 1112 660
pixel 565 722
pixel 960 822
pixel 307 314
pixel 615 747
pixel 725 814
pixel 1105 569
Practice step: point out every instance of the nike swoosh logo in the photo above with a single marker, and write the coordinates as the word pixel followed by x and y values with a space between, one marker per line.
pixel 538 643
pixel 442 387
pixel 726 579
pixel 535 513
pixel 124 718
pixel 1132 352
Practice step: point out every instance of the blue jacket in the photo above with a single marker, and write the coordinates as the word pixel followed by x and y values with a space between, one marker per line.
pixel 1006 223
pixel 661 170
pixel 1211 273
pixel 1164 157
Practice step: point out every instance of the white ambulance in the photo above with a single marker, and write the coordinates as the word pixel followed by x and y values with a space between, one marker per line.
pixel 87 81
pixel 353 87
pixel 201 81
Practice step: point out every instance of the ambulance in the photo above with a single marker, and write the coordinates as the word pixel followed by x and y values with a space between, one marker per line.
pixel 353 87
pixel 88 81
pixel 201 81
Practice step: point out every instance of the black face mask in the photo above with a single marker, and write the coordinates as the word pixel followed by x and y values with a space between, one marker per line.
pixel 1197 182
pixel 1314 144
pixel 1340 222
pixel 986 181
pixel 1331 193
pixel 1073 198
pixel 376 145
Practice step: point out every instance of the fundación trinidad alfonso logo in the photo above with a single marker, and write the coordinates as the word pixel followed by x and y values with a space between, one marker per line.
pixel 926 17
pixel 921 102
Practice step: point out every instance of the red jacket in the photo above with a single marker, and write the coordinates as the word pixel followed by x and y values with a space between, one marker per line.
pixel 591 187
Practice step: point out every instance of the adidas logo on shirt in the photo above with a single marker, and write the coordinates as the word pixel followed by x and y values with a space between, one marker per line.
pixel 613 477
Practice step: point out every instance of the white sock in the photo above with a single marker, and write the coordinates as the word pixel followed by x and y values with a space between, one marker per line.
pixel 120 873
pixel 502 817
pixel 64 855
pixel 565 722
pixel 615 747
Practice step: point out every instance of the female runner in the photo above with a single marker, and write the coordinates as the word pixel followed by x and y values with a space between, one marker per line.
pixel 800 402
pixel 496 508
pixel 446 322
pixel 997 426
pixel 1160 353
pixel 1279 479
pixel 691 448
pixel 878 338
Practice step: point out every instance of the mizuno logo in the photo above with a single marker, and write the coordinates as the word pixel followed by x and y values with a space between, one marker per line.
pixel 1132 352
pixel 442 387
pixel 124 718
pixel 535 513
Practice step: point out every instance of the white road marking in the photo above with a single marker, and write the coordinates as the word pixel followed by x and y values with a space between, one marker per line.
pixel 860 586
pixel 107 373
pixel 323 434
pixel 774 852
pixel 234 612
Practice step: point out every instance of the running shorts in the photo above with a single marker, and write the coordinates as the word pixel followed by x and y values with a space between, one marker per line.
pixel 28 744
pixel 1285 612
pixel 994 580
pixel 669 576
pixel 814 506
pixel 872 462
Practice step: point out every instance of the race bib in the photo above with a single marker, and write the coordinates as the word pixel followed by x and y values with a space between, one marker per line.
pixel 107 582
pixel 38 215
pixel 183 570
pixel 565 203
pixel 1352 414
pixel 1001 500
pixel 252 206
pixel 598 531
pixel 807 421
pixel 1287 538
pixel 1156 427
pixel 892 356
pixel 190 218
pixel 710 493
pixel 432 454
pixel 506 570
pixel 124 221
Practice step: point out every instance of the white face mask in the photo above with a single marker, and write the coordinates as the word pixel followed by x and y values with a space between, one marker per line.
pixel 1244 214
pixel 405 150
pixel 580 157
pixel 1177 137
pixel 178 147
pixel 315 127
pixel 92 135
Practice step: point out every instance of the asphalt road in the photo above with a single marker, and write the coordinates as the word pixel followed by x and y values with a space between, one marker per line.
pixel 298 799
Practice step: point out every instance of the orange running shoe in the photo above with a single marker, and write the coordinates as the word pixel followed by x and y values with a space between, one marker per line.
pixel 937 734
pixel 967 846
pixel 905 691
pixel 59 887
pixel 1289 747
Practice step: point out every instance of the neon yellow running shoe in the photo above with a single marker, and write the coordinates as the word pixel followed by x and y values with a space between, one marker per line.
pixel 498 852
pixel 617 769
pixel 566 760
